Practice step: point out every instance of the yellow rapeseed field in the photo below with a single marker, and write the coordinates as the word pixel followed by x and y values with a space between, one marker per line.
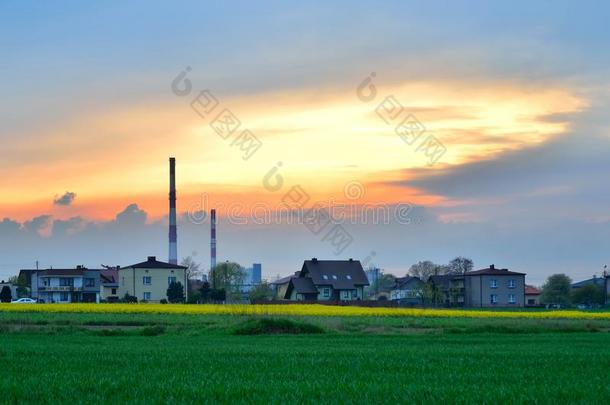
pixel 296 310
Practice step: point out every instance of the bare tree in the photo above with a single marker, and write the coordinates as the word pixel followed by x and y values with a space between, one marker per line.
pixel 193 269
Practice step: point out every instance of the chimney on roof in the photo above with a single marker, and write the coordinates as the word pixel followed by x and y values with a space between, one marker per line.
pixel 152 258
pixel 351 260
pixel 492 266
pixel 314 259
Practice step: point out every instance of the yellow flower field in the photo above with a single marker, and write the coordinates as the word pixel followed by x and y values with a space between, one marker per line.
pixel 296 310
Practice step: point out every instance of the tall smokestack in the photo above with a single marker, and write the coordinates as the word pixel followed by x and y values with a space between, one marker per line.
pixel 173 234
pixel 213 239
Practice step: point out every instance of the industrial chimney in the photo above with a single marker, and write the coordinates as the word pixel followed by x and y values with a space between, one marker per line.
pixel 173 234
pixel 213 239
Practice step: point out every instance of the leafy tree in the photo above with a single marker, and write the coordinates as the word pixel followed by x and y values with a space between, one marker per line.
pixel 262 291
pixel 5 294
pixel 193 269
pixel 557 290
pixel 425 269
pixel 591 294
pixel 205 292
pixel 460 265
pixel 218 295
pixel 175 292
pixel 194 297
pixel 23 288
pixel 228 276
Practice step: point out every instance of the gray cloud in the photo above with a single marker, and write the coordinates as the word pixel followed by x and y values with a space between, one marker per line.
pixel 66 199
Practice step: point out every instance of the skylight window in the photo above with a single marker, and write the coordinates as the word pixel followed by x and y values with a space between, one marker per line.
pixel 325 277
pixel 349 277
pixel 334 277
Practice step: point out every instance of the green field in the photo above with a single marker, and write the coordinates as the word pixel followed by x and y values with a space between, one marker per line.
pixel 115 358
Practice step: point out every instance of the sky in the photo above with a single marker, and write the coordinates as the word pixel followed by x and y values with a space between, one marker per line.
pixel 502 155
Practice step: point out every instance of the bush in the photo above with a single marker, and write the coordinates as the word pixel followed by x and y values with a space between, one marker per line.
pixel 175 292
pixel 130 299
pixel 272 326
pixel 163 301
pixel 5 294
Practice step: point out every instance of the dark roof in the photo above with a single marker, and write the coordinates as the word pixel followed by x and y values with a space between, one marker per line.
pixel 153 263
pixel 62 272
pixel 404 282
pixel 109 276
pixel 303 285
pixel 492 271
pixel 340 274
pixel 599 281
pixel 286 280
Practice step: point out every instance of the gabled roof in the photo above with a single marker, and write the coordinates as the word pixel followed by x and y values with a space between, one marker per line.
pixel 302 286
pixel 531 290
pixel 340 274
pixel 109 276
pixel 444 280
pixel 153 263
pixel 492 271
pixel 405 282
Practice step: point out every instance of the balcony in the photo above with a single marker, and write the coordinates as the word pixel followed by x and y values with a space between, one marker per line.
pixel 59 288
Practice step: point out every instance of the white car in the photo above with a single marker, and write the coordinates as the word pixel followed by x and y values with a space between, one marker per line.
pixel 24 301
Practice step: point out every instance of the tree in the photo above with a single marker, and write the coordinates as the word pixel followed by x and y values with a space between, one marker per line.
pixel 228 276
pixel 205 292
pixel 5 294
pixel 384 284
pixel 557 290
pixel 21 283
pixel 218 295
pixel 175 292
pixel 460 265
pixel 423 270
pixel 591 294
pixel 193 269
pixel 261 292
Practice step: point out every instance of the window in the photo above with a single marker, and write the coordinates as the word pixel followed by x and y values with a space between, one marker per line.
pixel 89 282
pixel 345 294
pixel 531 301
pixel 354 294
pixel 511 283
pixel 493 298
pixel 66 282
pixel 171 280
pixel 334 277
pixel 146 280
pixel 349 277
pixel 493 283
pixel 114 291
pixel 325 277
pixel 326 292
pixel 146 296
pixel 64 296
pixel 511 298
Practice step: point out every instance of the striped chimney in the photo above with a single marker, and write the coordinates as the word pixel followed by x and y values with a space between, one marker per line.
pixel 173 233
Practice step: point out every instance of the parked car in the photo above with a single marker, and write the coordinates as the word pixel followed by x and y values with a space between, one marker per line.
pixel 24 301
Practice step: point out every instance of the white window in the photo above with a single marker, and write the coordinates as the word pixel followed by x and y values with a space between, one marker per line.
pixel 493 283
pixel 345 294
pixel 349 277
pixel 146 296
pixel 511 299
pixel 334 277
pixel 511 283
pixel 146 280
pixel 326 292
pixel 493 298
pixel 171 280
pixel 325 277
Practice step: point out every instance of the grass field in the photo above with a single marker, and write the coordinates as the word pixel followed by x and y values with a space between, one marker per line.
pixel 162 358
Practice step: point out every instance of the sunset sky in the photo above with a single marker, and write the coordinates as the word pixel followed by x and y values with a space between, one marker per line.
pixel 516 93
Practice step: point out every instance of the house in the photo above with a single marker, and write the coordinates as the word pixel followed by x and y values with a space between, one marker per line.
pixel 109 284
pixel 407 290
pixel 532 296
pixel 492 287
pixel 64 285
pixel 448 290
pixel 598 281
pixel 328 280
pixel 280 286
pixel 148 281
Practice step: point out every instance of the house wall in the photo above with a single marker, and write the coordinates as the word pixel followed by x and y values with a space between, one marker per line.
pixel 106 292
pixel 131 281
pixel 479 290
pixel 535 297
